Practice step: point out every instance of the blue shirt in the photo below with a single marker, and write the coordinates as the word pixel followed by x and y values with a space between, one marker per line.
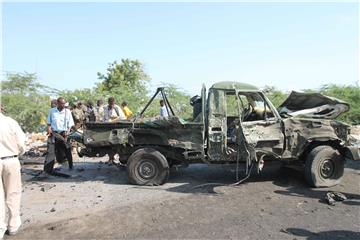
pixel 60 121
pixel 163 111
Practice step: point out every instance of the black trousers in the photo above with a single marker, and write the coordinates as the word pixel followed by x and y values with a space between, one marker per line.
pixel 58 149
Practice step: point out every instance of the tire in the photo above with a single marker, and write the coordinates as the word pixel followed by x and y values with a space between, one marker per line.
pixel 147 166
pixel 324 167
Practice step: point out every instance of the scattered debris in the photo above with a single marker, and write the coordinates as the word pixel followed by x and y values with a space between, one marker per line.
pixel 36 144
pixel 47 187
pixel 332 197
pixel 51 228
pixel 339 196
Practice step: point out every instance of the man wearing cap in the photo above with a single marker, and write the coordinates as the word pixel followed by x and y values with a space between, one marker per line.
pixel 12 144
pixel 60 122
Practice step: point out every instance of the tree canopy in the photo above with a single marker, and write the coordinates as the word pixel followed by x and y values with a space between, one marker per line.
pixel 26 100
pixel 129 75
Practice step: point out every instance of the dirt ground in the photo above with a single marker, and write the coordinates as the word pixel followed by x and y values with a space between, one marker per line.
pixel 97 202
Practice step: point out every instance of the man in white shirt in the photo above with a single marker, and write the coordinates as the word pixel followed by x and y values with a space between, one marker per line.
pixel 12 144
pixel 112 112
pixel 163 110
pixel 60 122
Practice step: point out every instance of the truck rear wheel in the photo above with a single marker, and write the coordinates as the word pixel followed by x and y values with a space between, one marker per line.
pixel 147 166
pixel 324 167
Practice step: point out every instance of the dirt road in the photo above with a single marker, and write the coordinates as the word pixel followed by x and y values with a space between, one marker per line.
pixel 97 203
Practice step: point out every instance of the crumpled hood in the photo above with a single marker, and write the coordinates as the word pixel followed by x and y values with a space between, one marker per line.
pixel 312 105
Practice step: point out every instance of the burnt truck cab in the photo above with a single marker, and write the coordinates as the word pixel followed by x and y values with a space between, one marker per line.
pixel 234 123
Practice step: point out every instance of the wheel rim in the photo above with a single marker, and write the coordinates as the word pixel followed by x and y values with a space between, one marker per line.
pixel 327 168
pixel 147 170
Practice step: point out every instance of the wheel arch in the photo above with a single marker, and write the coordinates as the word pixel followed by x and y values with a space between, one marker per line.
pixel 172 155
pixel 313 143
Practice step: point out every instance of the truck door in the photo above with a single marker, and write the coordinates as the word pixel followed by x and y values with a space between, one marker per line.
pixel 261 124
pixel 216 125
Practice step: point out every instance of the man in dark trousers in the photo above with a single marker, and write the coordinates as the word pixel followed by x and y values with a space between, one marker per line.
pixel 60 122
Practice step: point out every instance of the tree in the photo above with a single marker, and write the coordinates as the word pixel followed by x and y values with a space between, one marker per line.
pixel 179 101
pixel 83 95
pixel 127 75
pixel 125 81
pixel 26 100
pixel 275 95
pixel 24 83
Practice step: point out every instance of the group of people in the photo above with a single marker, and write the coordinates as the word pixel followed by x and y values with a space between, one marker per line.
pixel 60 120
pixel 100 113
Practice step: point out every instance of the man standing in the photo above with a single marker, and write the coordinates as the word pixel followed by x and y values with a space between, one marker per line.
pixel 59 122
pixel 12 144
pixel 99 111
pixel 113 112
pixel 163 109
pixel 90 112
pixel 78 114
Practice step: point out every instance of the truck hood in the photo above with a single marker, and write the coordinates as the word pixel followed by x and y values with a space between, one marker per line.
pixel 312 105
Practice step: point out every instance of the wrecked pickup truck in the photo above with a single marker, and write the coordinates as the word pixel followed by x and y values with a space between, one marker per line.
pixel 235 123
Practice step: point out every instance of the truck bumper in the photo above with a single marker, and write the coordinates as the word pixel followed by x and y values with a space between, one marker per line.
pixel 352 153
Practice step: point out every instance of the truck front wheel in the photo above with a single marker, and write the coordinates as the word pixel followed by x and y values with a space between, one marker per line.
pixel 147 166
pixel 324 167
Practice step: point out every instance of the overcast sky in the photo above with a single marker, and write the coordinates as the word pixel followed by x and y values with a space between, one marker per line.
pixel 290 46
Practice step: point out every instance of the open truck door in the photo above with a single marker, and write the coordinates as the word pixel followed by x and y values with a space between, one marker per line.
pixel 216 125
pixel 260 130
